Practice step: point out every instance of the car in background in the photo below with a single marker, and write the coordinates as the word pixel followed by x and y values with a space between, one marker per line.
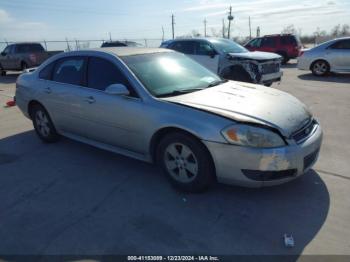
pixel 230 60
pixel 286 45
pixel 20 56
pixel 160 106
pixel 120 44
pixel 332 56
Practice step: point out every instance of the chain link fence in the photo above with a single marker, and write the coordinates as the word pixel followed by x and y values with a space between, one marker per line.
pixel 78 44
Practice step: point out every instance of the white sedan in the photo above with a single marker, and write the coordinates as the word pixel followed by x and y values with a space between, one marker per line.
pixel 332 56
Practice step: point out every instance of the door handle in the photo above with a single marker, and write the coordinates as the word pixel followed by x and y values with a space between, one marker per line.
pixel 47 90
pixel 90 99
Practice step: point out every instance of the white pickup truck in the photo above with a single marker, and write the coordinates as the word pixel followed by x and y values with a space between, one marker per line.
pixel 230 60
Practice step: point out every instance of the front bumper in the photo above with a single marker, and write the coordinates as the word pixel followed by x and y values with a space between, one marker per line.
pixel 270 78
pixel 232 162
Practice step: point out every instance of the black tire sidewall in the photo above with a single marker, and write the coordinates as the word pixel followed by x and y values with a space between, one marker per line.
pixel 325 73
pixel 206 172
pixel 53 136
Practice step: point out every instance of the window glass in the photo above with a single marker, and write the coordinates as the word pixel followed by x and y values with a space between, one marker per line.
pixel 343 44
pixel 227 46
pixel 46 72
pixel 7 49
pixel 165 73
pixel 204 48
pixel 256 42
pixel 268 42
pixel 289 40
pixel 102 73
pixel 186 47
pixel 29 48
pixel 69 70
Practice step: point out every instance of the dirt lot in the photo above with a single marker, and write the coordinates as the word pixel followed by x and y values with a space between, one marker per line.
pixel 70 198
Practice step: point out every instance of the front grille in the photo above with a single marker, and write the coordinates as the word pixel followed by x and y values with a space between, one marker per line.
pixel 310 159
pixel 270 68
pixel 255 69
pixel 305 132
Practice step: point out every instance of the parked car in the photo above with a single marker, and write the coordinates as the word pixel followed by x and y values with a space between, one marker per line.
pixel 332 56
pixel 286 45
pixel 160 106
pixel 230 60
pixel 120 44
pixel 20 56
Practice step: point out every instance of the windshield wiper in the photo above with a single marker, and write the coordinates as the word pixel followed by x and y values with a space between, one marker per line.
pixel 216 83
pixel 180 92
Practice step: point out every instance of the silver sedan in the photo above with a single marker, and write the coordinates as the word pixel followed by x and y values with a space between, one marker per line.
pixel 160 106
pixel 332 56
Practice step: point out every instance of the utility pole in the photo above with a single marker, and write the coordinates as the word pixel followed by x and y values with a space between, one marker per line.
pixel 162 34
pixel 110 36
pixel 205 27
pixel 172 25
pixel 230 18
pixel 223 28
pixel 250 29
pixel 258 32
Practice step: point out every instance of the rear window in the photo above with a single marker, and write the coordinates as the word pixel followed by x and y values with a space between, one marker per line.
pixel 289 40
pixel 27 48
pixel 70 70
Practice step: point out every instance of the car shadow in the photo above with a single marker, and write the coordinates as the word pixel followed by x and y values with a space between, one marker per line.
pixel 10 78
pixel 332 78
pixel 71 198
pixel 289 65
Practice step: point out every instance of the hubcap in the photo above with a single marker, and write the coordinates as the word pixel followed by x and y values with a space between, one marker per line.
pixel 320 68
pixel 181 162
pixel 42 123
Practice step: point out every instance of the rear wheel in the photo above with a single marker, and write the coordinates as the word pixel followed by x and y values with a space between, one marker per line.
pixel 43 124
pixel 2 71
pixel 186 162
pixel 24 66
pixel 320 68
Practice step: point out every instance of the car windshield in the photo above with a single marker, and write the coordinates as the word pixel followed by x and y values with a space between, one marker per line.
pixel 228 46
pixel 170 73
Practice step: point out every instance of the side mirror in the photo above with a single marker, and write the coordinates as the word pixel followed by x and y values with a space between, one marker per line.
pixel 212 53
pixel 117 89
pixel 3 53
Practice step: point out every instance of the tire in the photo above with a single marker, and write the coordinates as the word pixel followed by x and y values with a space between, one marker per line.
pixel 320 68
pixel 186 162
pixel 2 71
pixel 24 66
pixel 268 84
pixel 43 124
pixel 238 74
pixel 285 58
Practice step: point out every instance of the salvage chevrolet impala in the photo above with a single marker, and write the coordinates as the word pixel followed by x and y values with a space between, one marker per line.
pixel 160 106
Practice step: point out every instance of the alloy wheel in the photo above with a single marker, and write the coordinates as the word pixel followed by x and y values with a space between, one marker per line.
pixel 42 123
pixel 181 162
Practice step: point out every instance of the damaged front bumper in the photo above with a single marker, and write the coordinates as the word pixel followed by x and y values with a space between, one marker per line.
pixel 256 167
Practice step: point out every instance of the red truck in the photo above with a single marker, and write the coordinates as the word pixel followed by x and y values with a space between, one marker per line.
pixel 286 45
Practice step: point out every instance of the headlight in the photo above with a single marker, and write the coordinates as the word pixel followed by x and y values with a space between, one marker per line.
pixel 245 135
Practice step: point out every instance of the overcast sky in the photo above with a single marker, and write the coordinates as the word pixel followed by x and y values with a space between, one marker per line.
pixel 40 19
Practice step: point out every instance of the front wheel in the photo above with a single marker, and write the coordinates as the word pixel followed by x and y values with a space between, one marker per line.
pixel 186 162
pixel 43 124
pixel 2 71
pixel 320 68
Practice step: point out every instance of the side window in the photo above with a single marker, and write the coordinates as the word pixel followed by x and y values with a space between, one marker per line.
pixel 102 73
pixel 46 72
pixel 69 70
pixel 256 42
pixel 186 47
pixel 268 42
pixel 7 50
pixel 343 44
pixel 204 48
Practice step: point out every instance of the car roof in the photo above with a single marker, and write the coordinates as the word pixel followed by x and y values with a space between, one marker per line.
pixel 130 51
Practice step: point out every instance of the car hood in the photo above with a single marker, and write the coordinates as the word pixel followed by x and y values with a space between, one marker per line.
pixel 256 55
pixel 249 103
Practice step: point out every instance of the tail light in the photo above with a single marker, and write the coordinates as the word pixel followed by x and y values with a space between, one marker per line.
pixel 32 58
